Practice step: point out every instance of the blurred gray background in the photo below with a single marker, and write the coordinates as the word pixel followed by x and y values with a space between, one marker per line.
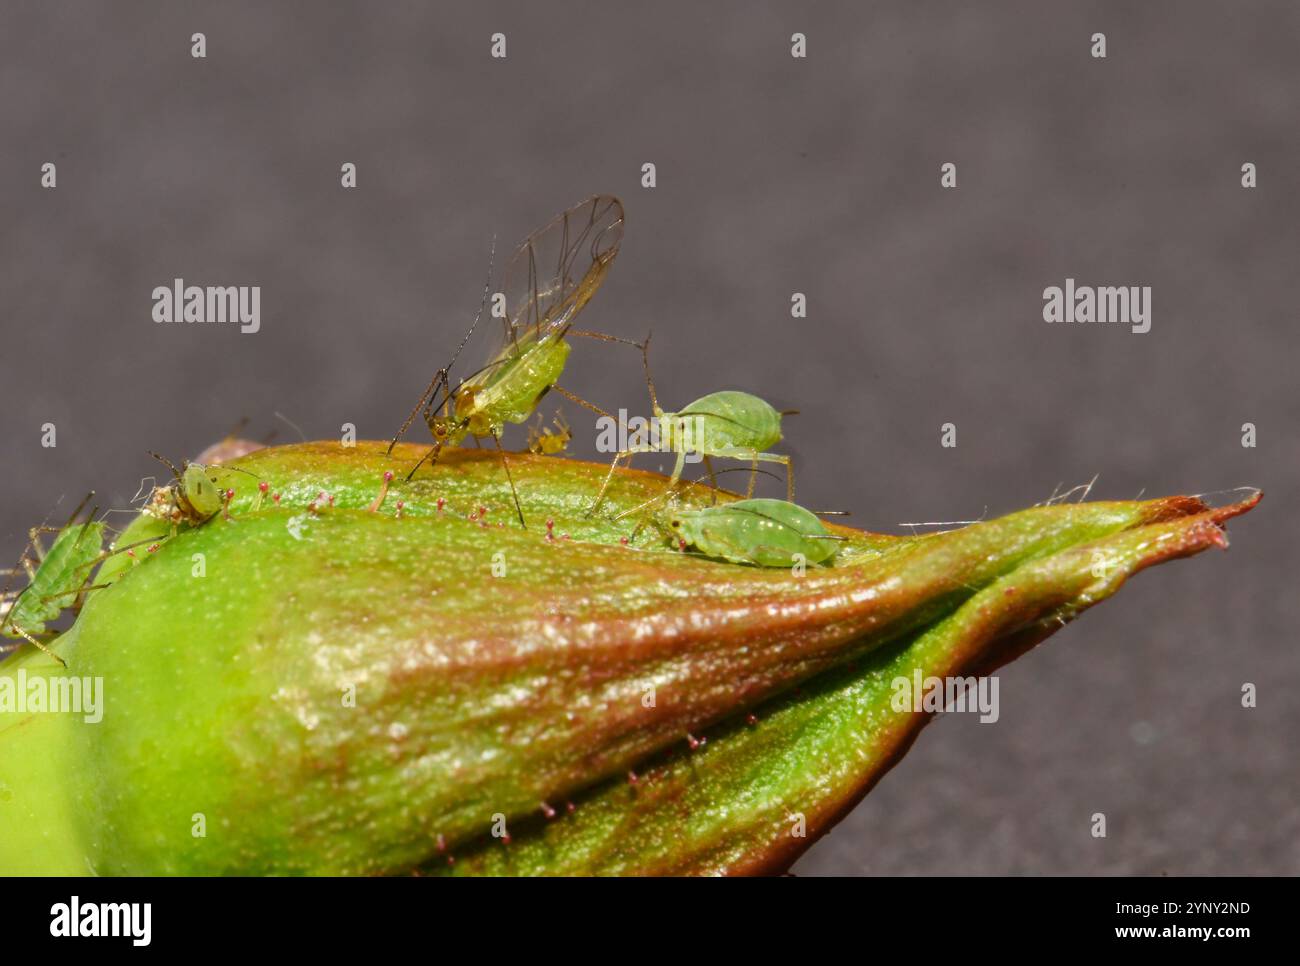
pixel 775 175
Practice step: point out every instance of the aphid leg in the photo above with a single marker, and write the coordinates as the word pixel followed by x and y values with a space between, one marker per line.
pixel 625 454
pixel 76 592
pixel 588 334
pixel 649 380
pixel 573 397
pixel 30 566
pixel 668 490
pixel 756 458
pixel 34 544
pixel 505 463
pixel 35 643
pixel 437 448
pixel 152 542
pixel 26 566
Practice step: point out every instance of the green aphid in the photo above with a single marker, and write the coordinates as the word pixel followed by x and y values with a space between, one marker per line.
pixel 194 496
pixel 729 424
pixel 548 281
pixel 57 579
pixel 766 533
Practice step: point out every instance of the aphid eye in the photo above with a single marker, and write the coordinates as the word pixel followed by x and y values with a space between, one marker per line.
pixel 676 524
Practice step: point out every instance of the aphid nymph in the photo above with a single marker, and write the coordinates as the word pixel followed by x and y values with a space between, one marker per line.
pixel 763 532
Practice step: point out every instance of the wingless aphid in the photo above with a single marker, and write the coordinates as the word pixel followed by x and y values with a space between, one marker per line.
pixel 56 579
pixel 544 293
pixel 729 424
pixel 194 496
pixel 543 441
pixel 763 532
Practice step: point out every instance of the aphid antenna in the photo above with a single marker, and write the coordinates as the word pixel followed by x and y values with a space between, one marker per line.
pixel 81 506
pixel 442 377
pixel 699 480
pixel 789 412
pixel 487 289
pixel 89 520
pixel 238 469
pixel 486 367
pixel 167 463
pixel 718 416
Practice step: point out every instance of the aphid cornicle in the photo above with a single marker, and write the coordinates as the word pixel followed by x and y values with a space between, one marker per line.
pixel 56 579
pixel 543 294
pixel 728 424
pixel 764 532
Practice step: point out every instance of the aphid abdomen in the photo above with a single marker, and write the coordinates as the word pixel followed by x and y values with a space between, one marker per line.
pixel 732 420
pixel 723 541
pixel 512 396
pixel 64 570
pixel 768 533
pixel 200 492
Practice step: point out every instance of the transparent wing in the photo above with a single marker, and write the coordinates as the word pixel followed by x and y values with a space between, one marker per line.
pixel 557 270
